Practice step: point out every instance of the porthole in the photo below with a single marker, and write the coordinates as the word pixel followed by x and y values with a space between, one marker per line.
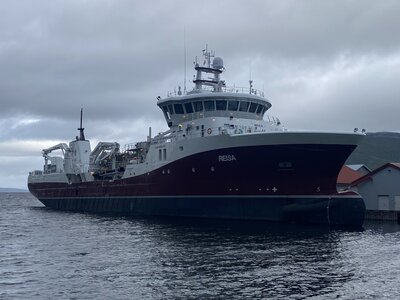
pixel 212 169
pixel 193 170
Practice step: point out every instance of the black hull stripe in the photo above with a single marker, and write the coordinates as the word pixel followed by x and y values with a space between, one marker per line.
pixel 355 196
pixel 339 210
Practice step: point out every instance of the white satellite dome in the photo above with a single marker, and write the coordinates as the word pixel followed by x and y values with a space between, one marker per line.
pixel 218 63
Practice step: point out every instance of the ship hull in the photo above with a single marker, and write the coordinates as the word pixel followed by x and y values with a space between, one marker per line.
pixel 271 182
pixel 334 210
pixel 253 170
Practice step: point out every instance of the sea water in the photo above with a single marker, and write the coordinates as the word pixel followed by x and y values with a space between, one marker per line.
pixel 47 254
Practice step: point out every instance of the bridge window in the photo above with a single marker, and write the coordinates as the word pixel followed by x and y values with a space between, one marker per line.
pixel 259 109
pixel 209 105
pixel 171 109
pixel 166 112
pixel 198 106
pixel 244 106
pixel 221 104
pixel 178 109
pixel 264 110
pixel 189 107
pixel 253 107
pixel 233 105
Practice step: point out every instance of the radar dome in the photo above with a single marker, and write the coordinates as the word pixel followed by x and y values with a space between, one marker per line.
pixel 218 63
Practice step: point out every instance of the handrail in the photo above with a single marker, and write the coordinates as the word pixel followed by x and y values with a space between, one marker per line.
pixel 225 89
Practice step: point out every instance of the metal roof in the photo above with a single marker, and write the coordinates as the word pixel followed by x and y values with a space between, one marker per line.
pixel 369 175
pixel 357 167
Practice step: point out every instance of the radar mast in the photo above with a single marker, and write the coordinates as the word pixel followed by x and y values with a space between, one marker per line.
pixel 215 68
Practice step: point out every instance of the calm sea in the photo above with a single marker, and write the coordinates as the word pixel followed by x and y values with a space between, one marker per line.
pixel 46 254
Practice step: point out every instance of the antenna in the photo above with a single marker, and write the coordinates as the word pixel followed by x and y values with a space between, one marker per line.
pixel 250 81
pixel 184 60
pixel 81 135
pixel 251 86
pixel 250 71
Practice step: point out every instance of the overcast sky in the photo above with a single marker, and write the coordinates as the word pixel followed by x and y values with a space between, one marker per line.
pixel 325 65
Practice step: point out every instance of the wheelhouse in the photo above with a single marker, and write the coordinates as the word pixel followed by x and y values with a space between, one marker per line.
pixel 180 109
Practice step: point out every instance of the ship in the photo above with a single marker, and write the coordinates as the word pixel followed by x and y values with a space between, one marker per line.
pixel 222 157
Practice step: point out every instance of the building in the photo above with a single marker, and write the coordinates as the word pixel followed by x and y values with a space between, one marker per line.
pixel 360 168
pixel 346 176
pixel 381 192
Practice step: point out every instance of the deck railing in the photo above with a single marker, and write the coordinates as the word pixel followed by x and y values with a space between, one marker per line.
pixel 225 89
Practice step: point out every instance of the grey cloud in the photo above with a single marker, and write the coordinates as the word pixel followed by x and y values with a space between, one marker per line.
pixel 363 94
pixel 100 51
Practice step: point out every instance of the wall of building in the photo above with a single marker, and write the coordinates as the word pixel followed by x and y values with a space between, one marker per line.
pixel 382 190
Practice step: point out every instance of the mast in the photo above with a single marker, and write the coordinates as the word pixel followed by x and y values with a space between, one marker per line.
pixel 216 68
pixel 81 129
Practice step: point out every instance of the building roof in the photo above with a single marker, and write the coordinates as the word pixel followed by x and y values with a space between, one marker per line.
pixel 358 167
pixel 347 175
pixel 369 175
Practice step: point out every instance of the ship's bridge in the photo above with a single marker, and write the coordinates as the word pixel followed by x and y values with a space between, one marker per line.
pixel 179 109
pixel 211 98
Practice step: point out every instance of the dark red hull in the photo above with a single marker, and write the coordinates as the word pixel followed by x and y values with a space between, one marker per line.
pixel 278 175
pixel 290 169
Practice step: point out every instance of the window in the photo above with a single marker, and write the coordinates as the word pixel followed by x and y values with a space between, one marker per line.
pixel 166 112
pixel 233 105
pixel 264 110
pixel 259 109
pixel 253 107
pixel 178 109
pixel 285 165
pixel 159 154
pixel 221 104
pixel 189 107
pixel 165 154
pixel 171 109
pixel 198 106
pixel 209 105
pixel 244 106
